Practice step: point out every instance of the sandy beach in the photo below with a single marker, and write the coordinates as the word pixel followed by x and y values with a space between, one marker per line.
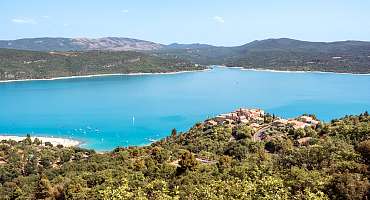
pixel 179 72
pixel 99 75
pixel 55 141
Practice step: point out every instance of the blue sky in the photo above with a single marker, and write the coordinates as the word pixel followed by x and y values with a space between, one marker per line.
pixel 217 22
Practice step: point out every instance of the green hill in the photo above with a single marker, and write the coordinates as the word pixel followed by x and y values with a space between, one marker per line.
pixel 282 54
pixel 20 64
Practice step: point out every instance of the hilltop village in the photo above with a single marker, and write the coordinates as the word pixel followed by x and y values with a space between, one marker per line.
pixel 263 123
pixel 256 117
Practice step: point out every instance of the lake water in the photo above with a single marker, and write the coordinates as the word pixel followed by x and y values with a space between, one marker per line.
pixel 112 111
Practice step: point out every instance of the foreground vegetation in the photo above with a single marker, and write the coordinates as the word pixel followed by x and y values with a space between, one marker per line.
pixel 20 64
pixel 223 161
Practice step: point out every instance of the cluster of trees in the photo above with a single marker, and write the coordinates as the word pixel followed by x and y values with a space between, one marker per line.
pixel 206 162
pixel 20 64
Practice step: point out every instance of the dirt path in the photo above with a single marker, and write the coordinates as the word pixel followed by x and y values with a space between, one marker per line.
pixel 204 161
pixel 258 135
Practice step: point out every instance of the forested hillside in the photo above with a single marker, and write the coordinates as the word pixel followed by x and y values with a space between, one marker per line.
pixel 263 158
pixel 19 64
pixel 282 54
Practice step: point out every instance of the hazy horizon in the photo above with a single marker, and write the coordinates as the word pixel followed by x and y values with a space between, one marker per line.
pixel 175 42
pixel 221 23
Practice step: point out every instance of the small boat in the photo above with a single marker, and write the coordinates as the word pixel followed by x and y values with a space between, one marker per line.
pixel 152 140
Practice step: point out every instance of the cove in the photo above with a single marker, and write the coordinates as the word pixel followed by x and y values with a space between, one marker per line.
pixel 110 111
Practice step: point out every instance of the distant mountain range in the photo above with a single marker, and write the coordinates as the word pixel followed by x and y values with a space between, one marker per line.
pixel 80 44
pixel 129 44
pixel 277 54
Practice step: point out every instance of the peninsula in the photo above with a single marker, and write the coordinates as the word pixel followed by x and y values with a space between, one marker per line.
pixel 23 65
pixel 42 140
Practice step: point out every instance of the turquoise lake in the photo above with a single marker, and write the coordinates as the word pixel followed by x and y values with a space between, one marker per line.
pixel 110 111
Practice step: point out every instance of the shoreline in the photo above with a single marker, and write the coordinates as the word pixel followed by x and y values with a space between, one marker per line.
pixel 181 72
pixel 53 140
pixel 102 75
pixel 290 71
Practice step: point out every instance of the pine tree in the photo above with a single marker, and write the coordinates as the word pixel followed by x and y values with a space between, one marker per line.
pixel 44 188
pixel 173 133
pixel 188 161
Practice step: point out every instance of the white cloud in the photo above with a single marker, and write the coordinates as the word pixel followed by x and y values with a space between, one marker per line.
pixel 46 16
pixel 24 21
pixel 219 19
pixel 124 11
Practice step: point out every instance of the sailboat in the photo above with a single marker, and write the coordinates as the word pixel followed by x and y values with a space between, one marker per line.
pixel 133 120
pixel 152 140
